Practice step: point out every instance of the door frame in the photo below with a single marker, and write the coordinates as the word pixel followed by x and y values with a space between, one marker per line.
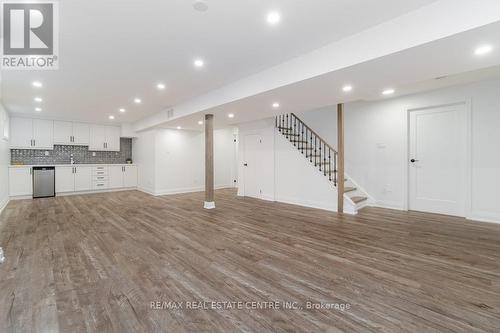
pixel 243 171
pixel 467 103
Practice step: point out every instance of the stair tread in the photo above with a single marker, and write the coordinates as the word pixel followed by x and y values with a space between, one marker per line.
pixel 357 200
pixel 349 189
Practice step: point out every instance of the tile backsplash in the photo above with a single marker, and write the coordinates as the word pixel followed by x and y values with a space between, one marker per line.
pixel 81 155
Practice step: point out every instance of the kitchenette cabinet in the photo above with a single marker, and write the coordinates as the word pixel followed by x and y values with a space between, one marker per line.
pixel 20 181
pixel 75 178
pixel 28 133
pixel 71 133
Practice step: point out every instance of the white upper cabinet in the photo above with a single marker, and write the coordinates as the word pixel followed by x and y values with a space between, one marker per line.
pixel 113 138
pixel 43 134
pixel 104 138
pixel 69 133
pixel 97 138
pixel 28 133
pixel 21 133
pixel 31 133
pixel 81 134
pixel 63 132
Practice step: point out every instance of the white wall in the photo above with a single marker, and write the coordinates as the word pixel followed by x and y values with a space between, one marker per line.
pixel 283 173
pixel 376 141
pixel 173 161
pixel 143 153
pixel 4 160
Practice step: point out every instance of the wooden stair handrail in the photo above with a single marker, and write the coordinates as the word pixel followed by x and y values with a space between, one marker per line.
pixel 313 132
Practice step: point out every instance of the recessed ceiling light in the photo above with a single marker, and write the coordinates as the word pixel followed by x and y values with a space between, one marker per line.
pixel 38 109
pixel 178 127
pixel 199 63
pixel 160 86
pixel 388 92
pixel 200 122
pixel 484 49
pixel 200 6
pixel 38 99
pixel 137 101
pixel 273 18
pixel 347 88
pixel 276 105
pixel 37 84
pixel 122 110
pixel 111 117
pixel 231 115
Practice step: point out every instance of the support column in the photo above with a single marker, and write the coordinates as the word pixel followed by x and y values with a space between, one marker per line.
pixel 209 162
pixel 340 157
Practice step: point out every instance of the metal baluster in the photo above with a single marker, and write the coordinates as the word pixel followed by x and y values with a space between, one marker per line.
pixel 310 143
pixel 293 132
pixel 319 155
pixel 335 169
pixel 330 164
pixel 315 150
pixel 324 159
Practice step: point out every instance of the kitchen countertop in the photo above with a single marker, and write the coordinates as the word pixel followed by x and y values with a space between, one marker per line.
pixel 66 165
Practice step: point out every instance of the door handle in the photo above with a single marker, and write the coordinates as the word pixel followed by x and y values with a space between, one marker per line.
pixel 413 160
pixel 246 164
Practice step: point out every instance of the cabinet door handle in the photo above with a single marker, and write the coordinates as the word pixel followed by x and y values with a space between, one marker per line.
pixel 34 142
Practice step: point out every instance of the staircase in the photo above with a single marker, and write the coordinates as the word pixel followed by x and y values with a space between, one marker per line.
pixel 320 154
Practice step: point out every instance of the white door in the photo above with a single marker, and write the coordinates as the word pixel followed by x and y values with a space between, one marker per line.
pixel 113 138
pixel 97 138
pixel 20 181
pixel 83 178
pixel 250 166
pixel 437 166
pixel 21 132
pixel 65 179
pixel 43 134
pixel 81 134
pixel 130 176
pixel 115 173
pixel 63 132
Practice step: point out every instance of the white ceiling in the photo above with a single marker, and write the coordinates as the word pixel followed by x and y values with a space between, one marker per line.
pixel 451 59
pixel 112 51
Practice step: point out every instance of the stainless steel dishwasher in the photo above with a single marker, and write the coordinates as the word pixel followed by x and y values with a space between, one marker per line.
pixel 44 182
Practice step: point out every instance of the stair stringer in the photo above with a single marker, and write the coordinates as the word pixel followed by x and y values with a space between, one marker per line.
pixel 280 140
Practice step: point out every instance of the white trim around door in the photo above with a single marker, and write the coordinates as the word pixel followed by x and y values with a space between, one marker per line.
pixel 463 205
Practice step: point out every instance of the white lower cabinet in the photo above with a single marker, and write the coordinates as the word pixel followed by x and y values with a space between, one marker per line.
pixel 129 176
pixel 83 178
pixel 116 176
pixel 73 179
pixel 65 179
pixel 20 181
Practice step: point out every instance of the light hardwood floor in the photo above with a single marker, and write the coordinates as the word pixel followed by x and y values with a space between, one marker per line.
pixel 94 263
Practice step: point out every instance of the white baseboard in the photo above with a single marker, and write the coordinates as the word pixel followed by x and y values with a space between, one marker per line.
pixel 387 205
pixel 4 204
pixel 146 190
pixel 187 190
pixel 484 217
pixel 66 194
